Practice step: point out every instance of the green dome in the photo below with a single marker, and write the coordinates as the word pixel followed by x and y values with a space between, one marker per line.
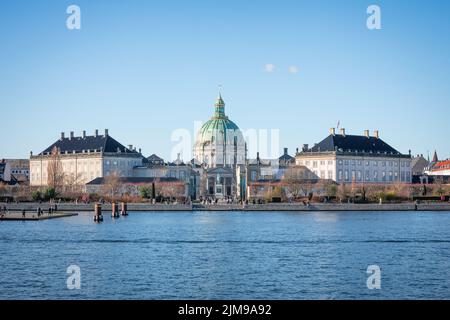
pixel 218 126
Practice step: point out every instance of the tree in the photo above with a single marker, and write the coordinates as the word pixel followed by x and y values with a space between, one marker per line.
pixel 36 195
pixel 112 185
pixel 145 192
pixel 293 181
pixel 55 173
pixel 343 192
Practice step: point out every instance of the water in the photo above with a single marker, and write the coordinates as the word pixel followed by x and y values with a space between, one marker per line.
pixel 229 255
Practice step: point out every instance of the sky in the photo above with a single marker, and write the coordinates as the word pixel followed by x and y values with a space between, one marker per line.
pixel 144 69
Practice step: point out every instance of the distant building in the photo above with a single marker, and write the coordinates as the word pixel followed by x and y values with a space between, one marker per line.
pixel 155 167
pixel 347 158
pixel 286 159
pixel 20 169
pixel 439 168
pixel 79 160
pixel 263 176
pixel 419 165
pixel 5 172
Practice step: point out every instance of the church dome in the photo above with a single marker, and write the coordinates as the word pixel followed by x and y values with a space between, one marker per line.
pixel 219 141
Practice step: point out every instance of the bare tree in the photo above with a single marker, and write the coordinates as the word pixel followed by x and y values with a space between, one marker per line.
pixel 55 173
pixel 294 182
pixel 112 185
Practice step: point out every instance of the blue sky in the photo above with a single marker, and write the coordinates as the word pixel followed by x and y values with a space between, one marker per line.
pixel 145 68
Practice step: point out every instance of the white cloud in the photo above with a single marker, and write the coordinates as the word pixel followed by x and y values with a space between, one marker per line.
pixel 269 67
pixel 293 69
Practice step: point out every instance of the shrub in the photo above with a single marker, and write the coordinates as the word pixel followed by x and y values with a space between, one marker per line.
pixel 36 195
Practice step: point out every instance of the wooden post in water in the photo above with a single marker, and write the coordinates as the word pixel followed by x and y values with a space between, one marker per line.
pixel 114 210
pixel 98 217
pixel 124 209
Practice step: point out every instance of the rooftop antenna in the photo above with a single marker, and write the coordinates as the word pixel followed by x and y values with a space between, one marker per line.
pixel 338 123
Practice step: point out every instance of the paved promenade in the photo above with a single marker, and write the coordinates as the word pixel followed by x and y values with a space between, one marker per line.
pixel 72 207
pixel 33 216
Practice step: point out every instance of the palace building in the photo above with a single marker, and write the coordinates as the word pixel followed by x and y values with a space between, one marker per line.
pixel 347 158
pixel 74 161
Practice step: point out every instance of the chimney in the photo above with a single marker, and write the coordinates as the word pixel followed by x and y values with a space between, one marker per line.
pixel 62 135
pixel 366 133
pixel 376 134
pixel 96 132
pixel 305 147
pixel 343 132
pixel 332 131
pixel 296 151
pixel 71 135
pixel 140 151
pixel 31 153
pixel 285 151
pixel 106 132
pixel 84 134
pixel 130 146
pixel 257 158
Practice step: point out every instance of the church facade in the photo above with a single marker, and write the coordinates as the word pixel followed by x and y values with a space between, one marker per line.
pixel 221 153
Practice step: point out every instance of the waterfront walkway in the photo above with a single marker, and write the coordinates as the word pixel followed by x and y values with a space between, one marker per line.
pixel 29 216
pixel 31 208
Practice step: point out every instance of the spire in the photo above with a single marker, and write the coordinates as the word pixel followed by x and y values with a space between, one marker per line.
pixel 219 107
pixel 435 157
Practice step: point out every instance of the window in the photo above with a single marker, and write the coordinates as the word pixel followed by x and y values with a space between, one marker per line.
pixel 253 176
pixel 346 162
pixel 383 163
pixel 359 175
pixel 396 176
pixel 375 163
pixel 314 164
pixel 346 175
pixel 330 162
pixel 340 175
pixel 330 175
pixel 322 162
pixel 307 163
pixel 367 175
pixel 340 162
pixel 359 163
pixel 383 176
pixel 353 175
pixel 375 176
pixel 390 176
pixel 367 163
pixel 322 174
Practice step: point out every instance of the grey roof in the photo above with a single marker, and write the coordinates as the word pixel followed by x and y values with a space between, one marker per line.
pixel 154 157
pixel 97 143
pixel 353 143
pixel 133 180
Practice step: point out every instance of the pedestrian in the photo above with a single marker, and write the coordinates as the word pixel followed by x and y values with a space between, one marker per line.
pixel 23 213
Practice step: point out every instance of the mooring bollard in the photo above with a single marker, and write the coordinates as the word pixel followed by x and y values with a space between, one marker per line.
pixel 124 209
pixel 114 210
pixel 98 217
